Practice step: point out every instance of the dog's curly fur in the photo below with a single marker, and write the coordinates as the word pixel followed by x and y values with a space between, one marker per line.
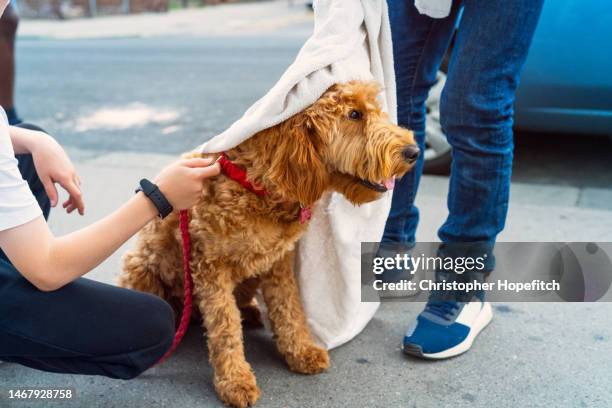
pixel 242 242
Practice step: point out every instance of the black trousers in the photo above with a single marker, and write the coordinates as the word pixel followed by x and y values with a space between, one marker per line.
pixel 86 327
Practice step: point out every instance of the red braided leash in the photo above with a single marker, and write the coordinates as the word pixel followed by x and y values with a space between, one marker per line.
pixel 187 284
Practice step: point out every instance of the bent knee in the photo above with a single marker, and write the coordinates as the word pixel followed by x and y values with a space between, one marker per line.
pixel 477 121
pixel 157 332
pixel 160 324
pixel 487 106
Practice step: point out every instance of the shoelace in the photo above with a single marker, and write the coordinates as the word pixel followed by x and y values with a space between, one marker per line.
pixel 442 309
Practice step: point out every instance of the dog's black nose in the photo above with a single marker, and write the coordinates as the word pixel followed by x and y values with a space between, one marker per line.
pixel 411 153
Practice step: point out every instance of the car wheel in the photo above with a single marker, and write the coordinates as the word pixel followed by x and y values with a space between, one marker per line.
pixel 437 150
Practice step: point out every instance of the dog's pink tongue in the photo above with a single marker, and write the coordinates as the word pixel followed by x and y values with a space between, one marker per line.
pixel 389 183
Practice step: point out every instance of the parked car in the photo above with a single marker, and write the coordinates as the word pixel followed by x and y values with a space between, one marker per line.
pixel 566 85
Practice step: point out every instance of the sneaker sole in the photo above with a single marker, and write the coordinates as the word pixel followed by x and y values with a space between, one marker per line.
pixel 484 318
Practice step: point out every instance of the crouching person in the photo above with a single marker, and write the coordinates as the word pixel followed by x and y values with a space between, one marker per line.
pixel 51 318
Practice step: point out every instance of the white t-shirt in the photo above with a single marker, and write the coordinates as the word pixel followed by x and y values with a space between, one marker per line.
pixel 17 204
pixel 434 8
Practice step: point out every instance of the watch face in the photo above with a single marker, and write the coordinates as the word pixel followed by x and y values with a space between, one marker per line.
pixel 146 186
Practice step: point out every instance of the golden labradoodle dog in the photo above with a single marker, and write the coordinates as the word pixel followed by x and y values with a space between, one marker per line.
pixel 242 241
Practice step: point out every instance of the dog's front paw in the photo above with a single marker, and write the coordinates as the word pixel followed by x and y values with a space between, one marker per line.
pixel 240 390
pixel 310 359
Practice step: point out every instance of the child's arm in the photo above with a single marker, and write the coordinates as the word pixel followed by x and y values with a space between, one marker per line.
pixel 49 263
pixel 52 165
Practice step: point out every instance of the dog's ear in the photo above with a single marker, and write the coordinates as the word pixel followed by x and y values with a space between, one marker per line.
pixel 297 168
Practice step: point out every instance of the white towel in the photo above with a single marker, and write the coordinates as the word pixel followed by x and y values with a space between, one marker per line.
pixel 351 40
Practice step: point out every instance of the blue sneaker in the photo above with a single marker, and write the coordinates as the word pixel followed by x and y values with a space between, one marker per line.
pixel 446 328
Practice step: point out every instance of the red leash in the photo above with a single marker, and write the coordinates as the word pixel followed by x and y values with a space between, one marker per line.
pixel 187 284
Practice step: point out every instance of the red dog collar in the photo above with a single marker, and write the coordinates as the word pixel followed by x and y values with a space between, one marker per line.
pixel 239 175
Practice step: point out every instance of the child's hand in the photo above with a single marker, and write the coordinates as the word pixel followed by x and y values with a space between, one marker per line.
pixel 181 182
pixel 53 166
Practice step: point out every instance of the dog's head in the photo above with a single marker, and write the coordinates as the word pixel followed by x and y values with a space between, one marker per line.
pixel 345 142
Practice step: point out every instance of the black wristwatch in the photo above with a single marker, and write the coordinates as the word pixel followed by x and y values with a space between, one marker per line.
pixel 164 208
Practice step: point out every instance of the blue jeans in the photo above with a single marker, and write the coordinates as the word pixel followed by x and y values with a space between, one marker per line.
pixel 490 49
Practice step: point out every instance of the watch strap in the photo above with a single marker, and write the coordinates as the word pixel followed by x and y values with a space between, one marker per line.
pixel 150 189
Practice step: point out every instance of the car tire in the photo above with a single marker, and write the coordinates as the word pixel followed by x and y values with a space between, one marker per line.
pixel 438 156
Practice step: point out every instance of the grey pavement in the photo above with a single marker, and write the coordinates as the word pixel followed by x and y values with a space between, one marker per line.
pixel 124 107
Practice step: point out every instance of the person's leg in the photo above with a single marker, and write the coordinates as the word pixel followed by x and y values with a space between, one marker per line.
pixel 86 327
pixel 8 30
pixel 419 45
pixel 476 113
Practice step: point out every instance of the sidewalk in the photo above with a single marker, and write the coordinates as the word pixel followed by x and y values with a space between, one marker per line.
pixel 238 19
pixel 538 349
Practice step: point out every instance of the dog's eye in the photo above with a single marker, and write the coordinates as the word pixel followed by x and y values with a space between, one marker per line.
pixel 355 115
